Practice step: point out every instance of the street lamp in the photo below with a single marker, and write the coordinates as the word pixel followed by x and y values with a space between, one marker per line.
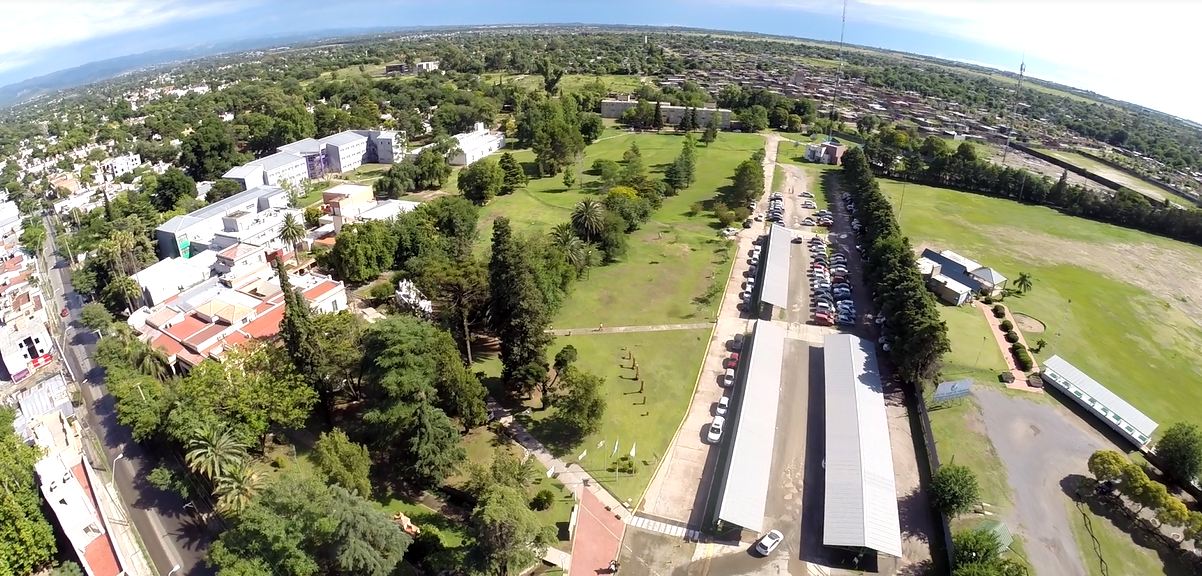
pixel 113 466
pixel 174 569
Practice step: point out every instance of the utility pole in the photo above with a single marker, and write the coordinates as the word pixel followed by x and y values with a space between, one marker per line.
pixel 1022 69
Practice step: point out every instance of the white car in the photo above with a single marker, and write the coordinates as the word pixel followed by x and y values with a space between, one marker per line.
pixel 728 377
pixel 714 434
pixel 769 542
pixel 723 404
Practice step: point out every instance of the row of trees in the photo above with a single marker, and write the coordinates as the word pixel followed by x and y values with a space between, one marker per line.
pixel 1133 483
pixel 899 154
pixel 916 334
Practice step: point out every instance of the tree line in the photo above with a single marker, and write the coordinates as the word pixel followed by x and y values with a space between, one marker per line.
pixel 916 334
pixel 898 154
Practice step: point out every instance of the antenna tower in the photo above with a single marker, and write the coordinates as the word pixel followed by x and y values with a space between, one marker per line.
pixel 1022 70
pixel 838 73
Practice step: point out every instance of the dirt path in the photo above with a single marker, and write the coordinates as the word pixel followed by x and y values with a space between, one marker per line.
pixel 1040 444
pixel 602 329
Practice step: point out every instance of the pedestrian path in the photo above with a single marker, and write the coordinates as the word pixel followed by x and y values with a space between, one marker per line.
pixel 557 557
pixel 601 329
pixel 665 527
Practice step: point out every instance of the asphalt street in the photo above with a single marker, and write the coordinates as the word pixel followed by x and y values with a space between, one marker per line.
pixel 173 536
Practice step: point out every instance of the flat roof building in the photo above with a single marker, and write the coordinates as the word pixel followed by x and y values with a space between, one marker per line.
pixel 477 144
pixel 191 233
pixel 1118 414
pixel 672 115
pixel 775 289
pixel 860 504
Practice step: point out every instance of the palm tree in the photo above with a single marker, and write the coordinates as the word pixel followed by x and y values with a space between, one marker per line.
pixel 1023 282
pixel 565 238
pixel 117 250
pixel 213 450
pixel 291 231
pixel 588 217
pixel 238 486
pixel 125 288
pixel 151 361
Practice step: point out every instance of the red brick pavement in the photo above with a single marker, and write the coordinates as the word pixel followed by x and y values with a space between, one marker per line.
pixel 598 537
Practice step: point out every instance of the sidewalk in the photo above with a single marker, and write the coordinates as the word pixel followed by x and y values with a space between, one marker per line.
pixel 1020 377
pixel 129 550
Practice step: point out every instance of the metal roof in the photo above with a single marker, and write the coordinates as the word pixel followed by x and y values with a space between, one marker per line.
pixel 277 160
pixel 776 276
pixel 745 493
pixel 860 504
pixel 343 138
pixel 1099 397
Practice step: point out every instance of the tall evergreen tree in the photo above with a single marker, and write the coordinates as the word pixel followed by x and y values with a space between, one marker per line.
pixel 711 130
pixel 519 311
pixel 515 176
pixel 659 116
pixel 300 337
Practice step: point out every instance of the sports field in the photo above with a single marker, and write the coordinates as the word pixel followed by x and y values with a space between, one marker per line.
pixel 1120 176
pixel 1118 303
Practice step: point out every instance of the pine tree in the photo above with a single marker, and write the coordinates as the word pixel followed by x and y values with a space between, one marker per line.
pixel 298 333
pixel 515 176
pixel 711 129
pixel 659 118
pixel 519 311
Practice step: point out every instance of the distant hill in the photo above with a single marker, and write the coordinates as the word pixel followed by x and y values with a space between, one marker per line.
pixel 83 74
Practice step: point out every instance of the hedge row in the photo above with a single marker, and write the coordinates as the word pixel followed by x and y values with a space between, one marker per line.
pixel 918 335
pixel 1022 357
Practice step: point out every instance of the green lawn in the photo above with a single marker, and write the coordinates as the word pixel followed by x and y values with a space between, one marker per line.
pixel 1098 316
pixel 1122 177
pixel 960 438
pixel 975 354
pixel 668 365
pixel 673 259
pixel 1121 553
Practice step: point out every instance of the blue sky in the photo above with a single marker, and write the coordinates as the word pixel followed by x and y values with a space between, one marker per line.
pixel 1110 47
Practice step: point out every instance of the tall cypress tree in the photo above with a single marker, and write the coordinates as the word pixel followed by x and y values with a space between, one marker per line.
pixel 519 312
pixel 299 335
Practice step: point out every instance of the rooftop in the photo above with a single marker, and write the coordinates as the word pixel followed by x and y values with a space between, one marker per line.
pixel 277 160
pixel 343 138
pixel 860 504
pixel 1106 401
pixel 775 290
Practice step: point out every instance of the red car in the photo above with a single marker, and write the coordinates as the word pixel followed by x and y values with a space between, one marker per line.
pixel 64 312
pixel 732 362
pixel 823 320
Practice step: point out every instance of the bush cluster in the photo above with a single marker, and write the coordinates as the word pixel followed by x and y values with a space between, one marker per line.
pixel 1022 357
pixel 1006 326
pixel 999 311
pixel 625 465
pixel 542 500
pixel 1011 336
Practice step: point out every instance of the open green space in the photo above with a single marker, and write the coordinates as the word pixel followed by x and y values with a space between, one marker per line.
pixel 673 259
pixel 1123 177
pixel 668 361
pixel 1096 289
pixel 976 354
pixel 788 153
pixel 960 439
pixel 569 82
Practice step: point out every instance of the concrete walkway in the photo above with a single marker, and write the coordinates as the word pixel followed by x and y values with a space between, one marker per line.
pixel 602 329
pixel 557 557
pixel 1020 377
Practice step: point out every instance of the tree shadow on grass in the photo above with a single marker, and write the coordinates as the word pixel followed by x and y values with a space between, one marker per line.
pixel 1083 492
pixel 556 435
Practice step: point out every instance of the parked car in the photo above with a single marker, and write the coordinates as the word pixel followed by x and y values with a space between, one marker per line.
pixel 823 307
pixel 728 377
pixel 845 321
pixel 64 312
pixel 728 232
pixel 808 222
pixel 714 434
pixel 723 405
pixel 748 223
pixel 824 320
pixel 769 542
pixel 736 343
pixel 731 361
pixel 797 240
pixel 745 295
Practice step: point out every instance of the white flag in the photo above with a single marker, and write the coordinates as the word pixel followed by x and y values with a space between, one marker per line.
pixel 615 452
pixel 600 443
pixel 632 447
pixel 582 454
pixel 550 472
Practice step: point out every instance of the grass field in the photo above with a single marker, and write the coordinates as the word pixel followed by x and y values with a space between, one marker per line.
pixel 786 153
pixel 975 354
pixel 1123 177
pixel 960 438
pixel 673 259
pixel 1122 556
pixel 1101 291
pixel 570 82
pixel 668 365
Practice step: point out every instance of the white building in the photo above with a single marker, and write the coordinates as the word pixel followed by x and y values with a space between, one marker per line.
pixel 426 66
pixel 344 151
pixel 310 158
pixel 118 166
pixel 251 216
pixel 477 144
pixel 282 167
pixel 10 218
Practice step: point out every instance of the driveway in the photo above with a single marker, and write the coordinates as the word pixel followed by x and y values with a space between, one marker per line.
pixel 1040 443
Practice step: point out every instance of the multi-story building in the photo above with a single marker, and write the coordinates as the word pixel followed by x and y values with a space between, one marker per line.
pixel 118 166
pixel 314 158
pixel 25 343
pixel 350 203
pixel 345 151
pixel 253 216
pixel 477 144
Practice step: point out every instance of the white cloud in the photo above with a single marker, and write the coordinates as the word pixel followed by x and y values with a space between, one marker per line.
pixel 32 27
pixel 1131 51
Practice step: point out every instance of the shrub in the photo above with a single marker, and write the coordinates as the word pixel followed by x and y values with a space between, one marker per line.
pixel 1012 336
pixel 625 465
pixel 987 299
pixel 542 500
pixel 999 311
pixel 1021 357
pixel 1006 326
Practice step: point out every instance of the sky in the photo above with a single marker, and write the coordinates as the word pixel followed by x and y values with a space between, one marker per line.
pixel 1125 50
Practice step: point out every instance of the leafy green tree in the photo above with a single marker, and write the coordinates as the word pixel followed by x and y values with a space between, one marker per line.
pixel 142 401
pixel 27 540
pixel 431 170
pixel 509 536
pixel 481 181
pixel 401 178
pixel 223 188
pixel 94 316
pixel 591 127
pixel 172 187
pixel 974 547
pixel 1180 451
pixel 238 486
pixel 519 308
pixel 366 541
pixel 582 408
pixel 209 151
pixel 551 74
pixel 753 118
pixel 33 236
pixel 749 181
pixel 67 569
pixel 1107 465
pixel 432 450
pixel 461 290
pixel 344 463
pixel 954 490
pixel 515 176
pixel 569 178
pixel 505 470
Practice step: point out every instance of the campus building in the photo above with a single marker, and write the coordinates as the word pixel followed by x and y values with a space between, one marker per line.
pixel 477 144
pixel 253 216
pixel 1109 407
pixel 829 152
pixel 955 278
pixel 310 158
pixel 349 203
pixel 672 115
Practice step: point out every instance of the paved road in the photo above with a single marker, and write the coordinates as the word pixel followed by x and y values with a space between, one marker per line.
pixel 171 534
pixel 1040 444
